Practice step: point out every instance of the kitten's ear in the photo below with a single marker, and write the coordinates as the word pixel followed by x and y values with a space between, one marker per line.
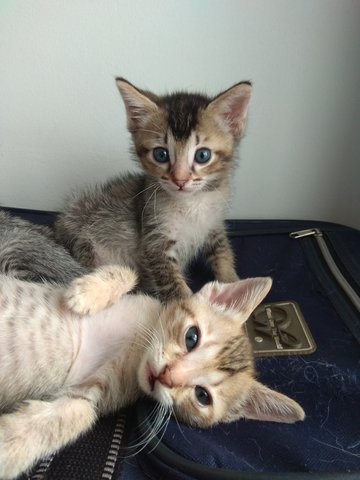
pixel 231 106
pixel 262 403
pixel 139 105
pixel 241 297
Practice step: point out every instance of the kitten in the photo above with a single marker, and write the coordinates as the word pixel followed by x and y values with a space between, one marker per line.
pixel 158 220
pixel 29 252
pixel 68 355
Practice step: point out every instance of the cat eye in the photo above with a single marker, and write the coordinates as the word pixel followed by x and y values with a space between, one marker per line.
pixel 191 338
pixel 161 155
pixel 203 396
pixel 202 155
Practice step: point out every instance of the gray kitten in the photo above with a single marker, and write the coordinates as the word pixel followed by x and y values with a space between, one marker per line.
pixel 157 221
pixel 29 252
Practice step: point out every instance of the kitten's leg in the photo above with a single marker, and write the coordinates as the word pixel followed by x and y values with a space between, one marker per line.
pixel 40 428
pixel 170 282
pixel 219 254
pixel 100 289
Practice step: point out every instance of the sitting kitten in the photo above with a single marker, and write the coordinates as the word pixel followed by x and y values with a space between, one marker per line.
pixel 29 252
pixel 65 360
pixel 157 221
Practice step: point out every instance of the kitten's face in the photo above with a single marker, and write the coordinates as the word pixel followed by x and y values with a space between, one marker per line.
pixel 200 361
pixel 186 141
pixel 205 358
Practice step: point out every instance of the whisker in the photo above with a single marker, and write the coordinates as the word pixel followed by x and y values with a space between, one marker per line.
pixel 162 417
pixel 152 185
pixel 179 427
pixel 155 213
pixel 149 131
pixel 163 428
pixel 143 210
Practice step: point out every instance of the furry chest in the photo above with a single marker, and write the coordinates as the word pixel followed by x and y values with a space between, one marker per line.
pixel 188 229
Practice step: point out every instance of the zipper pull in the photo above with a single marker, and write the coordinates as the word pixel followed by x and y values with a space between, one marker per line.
pixel 306 233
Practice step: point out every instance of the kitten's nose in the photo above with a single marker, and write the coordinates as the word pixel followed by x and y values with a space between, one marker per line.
pixel 165 377
pixel 180 183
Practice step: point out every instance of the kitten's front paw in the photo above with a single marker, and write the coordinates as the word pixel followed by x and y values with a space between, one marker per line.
pixel 230 279
pixel 227 276
pixel 177 292
pixel 100 289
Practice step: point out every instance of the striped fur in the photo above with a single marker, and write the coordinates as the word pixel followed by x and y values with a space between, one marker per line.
pixel 62 367
pixel 29 252
pixel 157 221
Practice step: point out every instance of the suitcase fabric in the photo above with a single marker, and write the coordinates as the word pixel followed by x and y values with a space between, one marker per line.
pixel 325 383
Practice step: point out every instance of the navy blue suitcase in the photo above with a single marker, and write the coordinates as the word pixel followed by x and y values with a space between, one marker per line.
pixel 319 268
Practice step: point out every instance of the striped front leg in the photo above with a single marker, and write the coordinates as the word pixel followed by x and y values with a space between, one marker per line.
pixel 162 275
pixel 218 252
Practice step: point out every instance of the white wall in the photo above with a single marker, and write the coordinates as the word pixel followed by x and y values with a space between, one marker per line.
pixel 62 122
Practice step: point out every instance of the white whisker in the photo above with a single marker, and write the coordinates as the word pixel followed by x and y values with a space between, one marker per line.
pixel 153 185
pixel 179 427
pixel 149 131
pixel 146 204
pixel 156 422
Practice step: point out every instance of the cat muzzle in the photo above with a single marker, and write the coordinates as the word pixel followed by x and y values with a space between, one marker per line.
pixel 164 377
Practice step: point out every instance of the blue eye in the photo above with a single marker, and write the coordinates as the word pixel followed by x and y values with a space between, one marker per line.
pixel 191 338
pixel 161 155
pixel 202 155
pixel 203 396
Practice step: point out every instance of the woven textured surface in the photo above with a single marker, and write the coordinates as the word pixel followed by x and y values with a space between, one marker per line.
pixel 94 456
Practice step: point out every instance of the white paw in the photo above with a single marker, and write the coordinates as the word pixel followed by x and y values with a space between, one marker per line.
pixel 100 289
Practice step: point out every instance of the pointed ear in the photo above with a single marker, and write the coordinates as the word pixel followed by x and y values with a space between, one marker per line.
pixel 139 105
pixel 242 296
pixel 262 403
pixel 231 106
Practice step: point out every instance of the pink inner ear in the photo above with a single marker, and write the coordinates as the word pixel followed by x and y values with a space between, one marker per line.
pixel 242 296
pixel 135 112
pixel 235 113
pixel 266 404
pixel 138 105
pixel 229 294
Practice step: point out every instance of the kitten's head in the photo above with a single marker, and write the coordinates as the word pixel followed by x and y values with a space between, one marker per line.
pixel 200 362
pixel 186 141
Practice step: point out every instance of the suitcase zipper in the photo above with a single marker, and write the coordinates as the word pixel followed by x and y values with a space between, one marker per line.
pixel 344 284
pixel 114 449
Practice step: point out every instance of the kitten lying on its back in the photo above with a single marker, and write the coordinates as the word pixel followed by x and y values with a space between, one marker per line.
pixel 158 220
pixel 65 360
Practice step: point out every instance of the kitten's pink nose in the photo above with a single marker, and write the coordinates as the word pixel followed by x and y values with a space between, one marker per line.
pixel 165 377
pixel 180 183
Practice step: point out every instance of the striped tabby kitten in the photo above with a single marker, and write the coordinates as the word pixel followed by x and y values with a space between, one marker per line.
pixel 66 359
pixel 158 220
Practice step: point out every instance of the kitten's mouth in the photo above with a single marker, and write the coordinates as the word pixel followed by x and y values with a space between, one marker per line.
pixel 150 377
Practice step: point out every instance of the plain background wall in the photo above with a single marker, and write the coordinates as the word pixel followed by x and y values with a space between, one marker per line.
pixel 62 122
